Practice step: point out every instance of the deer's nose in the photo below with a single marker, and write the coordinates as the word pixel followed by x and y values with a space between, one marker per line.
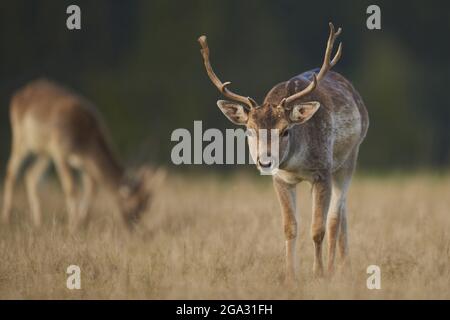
pixel 265 164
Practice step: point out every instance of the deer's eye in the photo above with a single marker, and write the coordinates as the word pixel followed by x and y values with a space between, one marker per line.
pixel 285 133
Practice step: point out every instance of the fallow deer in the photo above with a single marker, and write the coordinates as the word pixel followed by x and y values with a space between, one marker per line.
pixel 321 120
pixel 52 123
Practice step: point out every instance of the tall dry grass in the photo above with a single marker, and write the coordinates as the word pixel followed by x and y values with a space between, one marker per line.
pixel 211 237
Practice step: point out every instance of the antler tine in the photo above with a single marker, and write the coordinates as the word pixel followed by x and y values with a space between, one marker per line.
pixel 326 66
pixel 216 81
pixel 327 62
pixel 337 56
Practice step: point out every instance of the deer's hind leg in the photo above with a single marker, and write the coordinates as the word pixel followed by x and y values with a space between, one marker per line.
pixel 17 157
pixel 321 193
pixel 337 215
pixel 32 178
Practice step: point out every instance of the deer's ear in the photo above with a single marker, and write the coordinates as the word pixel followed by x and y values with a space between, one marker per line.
pixel 151 178
pixel 235 112
pixel 302 112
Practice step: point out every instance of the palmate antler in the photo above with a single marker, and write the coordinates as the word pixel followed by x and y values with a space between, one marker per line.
pixel 216 81
pixel 326 66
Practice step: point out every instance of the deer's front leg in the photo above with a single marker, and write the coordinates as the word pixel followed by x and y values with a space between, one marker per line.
pixel 321 202
pixel 286 196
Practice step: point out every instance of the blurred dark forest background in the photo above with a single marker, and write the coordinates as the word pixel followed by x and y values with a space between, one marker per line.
pixel 139 62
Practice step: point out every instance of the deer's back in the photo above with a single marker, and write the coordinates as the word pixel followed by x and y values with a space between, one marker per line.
pixel 345 105
pixel 45 115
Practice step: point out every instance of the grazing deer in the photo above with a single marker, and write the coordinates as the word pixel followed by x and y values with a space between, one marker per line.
pixel 55 124
pixel 321 120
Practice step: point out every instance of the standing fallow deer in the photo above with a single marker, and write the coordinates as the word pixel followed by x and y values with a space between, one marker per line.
pixel 321 120
pixel 52 123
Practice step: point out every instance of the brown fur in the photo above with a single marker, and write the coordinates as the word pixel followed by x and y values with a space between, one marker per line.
pixel 322 150
pixel 52 122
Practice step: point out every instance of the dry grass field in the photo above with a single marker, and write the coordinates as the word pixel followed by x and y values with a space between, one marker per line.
pixel 221 238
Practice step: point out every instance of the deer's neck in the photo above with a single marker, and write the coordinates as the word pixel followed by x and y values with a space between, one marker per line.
pixel 105 166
